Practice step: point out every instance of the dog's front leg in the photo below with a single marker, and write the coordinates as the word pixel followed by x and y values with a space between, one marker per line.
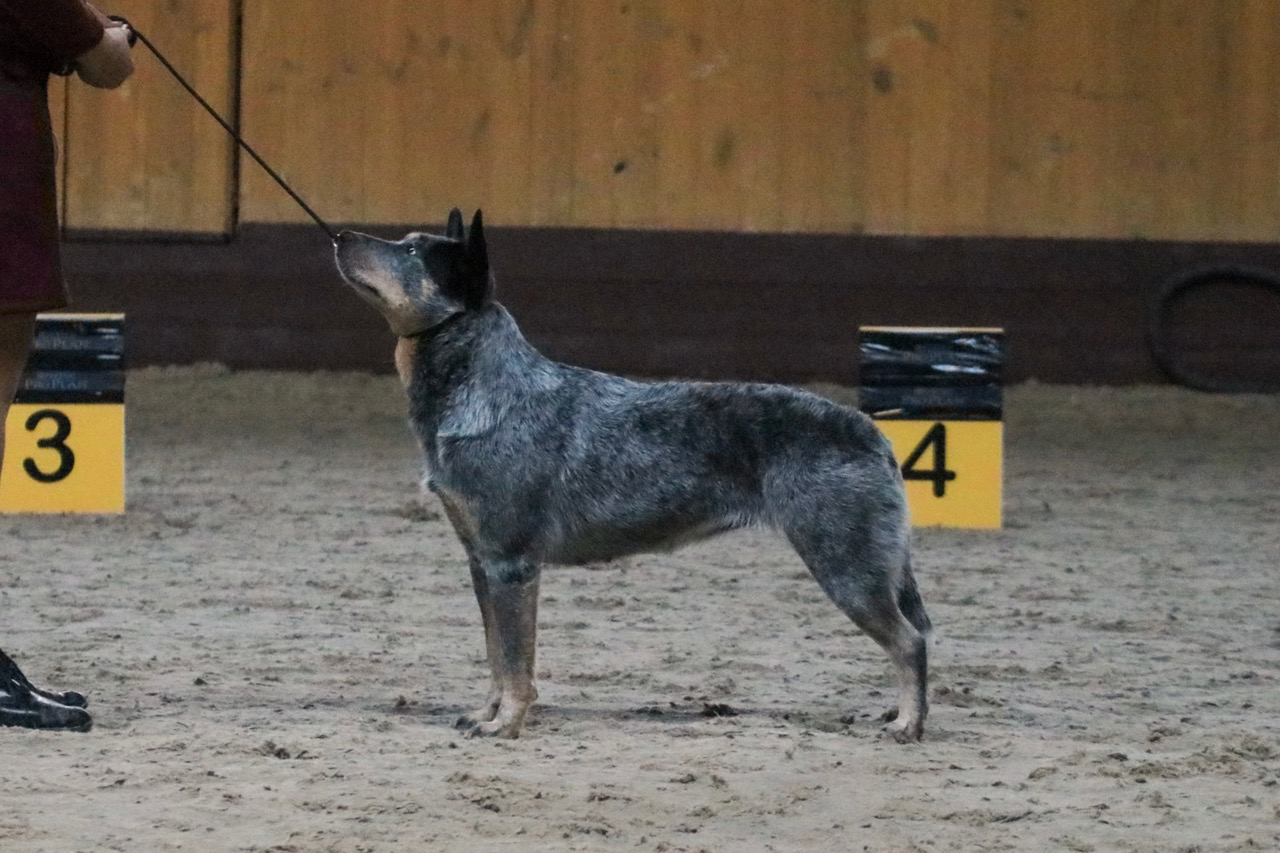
pixel 486 712
pixel 512 587
pixel 463 525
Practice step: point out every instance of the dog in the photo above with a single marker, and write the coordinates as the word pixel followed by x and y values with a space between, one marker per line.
pixel 537 462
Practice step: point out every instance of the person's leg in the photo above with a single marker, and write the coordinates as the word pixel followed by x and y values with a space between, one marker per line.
pixel 22 703
pixel 16 331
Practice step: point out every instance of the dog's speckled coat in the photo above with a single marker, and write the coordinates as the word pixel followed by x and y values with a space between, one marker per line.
pixel 538 462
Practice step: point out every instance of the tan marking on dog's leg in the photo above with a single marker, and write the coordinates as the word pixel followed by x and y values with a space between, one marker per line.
pixel 515 610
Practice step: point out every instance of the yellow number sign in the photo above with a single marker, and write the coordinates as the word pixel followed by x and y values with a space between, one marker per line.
pixel 64 458
pixel 952 470
pixel 937 394
pixel 64 437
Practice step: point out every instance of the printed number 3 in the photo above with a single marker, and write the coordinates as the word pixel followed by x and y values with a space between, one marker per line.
pixel 935 438
pixel 56 442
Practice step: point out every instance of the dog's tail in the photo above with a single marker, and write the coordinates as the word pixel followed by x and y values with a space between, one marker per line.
pixel 910 604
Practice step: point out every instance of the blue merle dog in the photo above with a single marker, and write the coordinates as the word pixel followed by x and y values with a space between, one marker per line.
pixel 538 462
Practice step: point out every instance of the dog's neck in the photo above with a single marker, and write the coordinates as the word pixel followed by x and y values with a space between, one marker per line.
pixel 478 357
pixel 407 346
pixel 432 331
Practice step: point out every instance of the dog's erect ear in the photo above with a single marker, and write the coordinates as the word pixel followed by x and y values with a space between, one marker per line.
pixel 454 229
pixel 476 263
pixel 477 251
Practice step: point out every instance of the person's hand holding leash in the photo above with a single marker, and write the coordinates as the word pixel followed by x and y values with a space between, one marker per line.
pixel 109 63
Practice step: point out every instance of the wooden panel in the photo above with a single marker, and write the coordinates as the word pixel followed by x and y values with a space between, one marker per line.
pixel 928 115
pixel 1245 122
pixel 369 117
pixel 600 42
pixel 1223 119
pixel 1046 118
pixel 676 67
pixel 1150 118
pixel 146 156
pixel 823 119
pixel 627 113
pixel 548 154
pixel 1052 89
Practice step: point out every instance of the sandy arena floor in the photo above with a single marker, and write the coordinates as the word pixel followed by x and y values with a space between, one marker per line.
pixel 277 637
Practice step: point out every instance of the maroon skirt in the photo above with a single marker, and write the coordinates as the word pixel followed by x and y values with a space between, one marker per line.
pixel 30 266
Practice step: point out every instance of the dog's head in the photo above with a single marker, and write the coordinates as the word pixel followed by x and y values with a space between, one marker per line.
pixel 421 281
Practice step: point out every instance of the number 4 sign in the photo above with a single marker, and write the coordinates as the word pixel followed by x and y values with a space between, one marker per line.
pixel 952 470
pixel 64 438
pixel 936 394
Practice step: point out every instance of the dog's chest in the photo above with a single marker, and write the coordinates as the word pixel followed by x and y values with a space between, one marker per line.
pixel 406 352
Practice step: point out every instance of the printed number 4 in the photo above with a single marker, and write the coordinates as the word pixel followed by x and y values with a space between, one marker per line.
pixel 56 442
pixel 935 439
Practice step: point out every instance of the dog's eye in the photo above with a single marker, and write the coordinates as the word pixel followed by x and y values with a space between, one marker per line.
pixel 413 250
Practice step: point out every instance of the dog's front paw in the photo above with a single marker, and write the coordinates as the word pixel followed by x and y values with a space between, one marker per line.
pixel 904 731
pixel 477 717
pixel 493 728
pixel 484 714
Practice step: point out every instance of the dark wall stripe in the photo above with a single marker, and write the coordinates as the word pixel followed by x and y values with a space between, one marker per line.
pixel 715 305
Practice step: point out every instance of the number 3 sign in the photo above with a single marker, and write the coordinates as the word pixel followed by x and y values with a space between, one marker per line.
pixel 64 438
pixel 936 394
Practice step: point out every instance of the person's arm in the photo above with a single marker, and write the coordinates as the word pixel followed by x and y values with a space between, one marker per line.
pixel 58 29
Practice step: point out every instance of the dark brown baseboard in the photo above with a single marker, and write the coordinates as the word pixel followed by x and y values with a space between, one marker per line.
pixel 710 305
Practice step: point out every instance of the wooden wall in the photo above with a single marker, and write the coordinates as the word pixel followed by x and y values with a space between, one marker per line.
pixel 1043 118
pixel 147 157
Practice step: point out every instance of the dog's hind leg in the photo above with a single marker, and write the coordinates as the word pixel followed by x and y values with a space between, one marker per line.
pixel 511 636
pixel 864 595
pixel 860 558
pixel 912 608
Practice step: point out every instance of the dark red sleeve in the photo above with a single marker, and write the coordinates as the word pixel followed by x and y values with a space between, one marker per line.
pixel 60 30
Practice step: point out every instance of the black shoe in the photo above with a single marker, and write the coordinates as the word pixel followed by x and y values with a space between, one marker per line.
pixel 22 707
pixel 10 673
pixel 70 698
